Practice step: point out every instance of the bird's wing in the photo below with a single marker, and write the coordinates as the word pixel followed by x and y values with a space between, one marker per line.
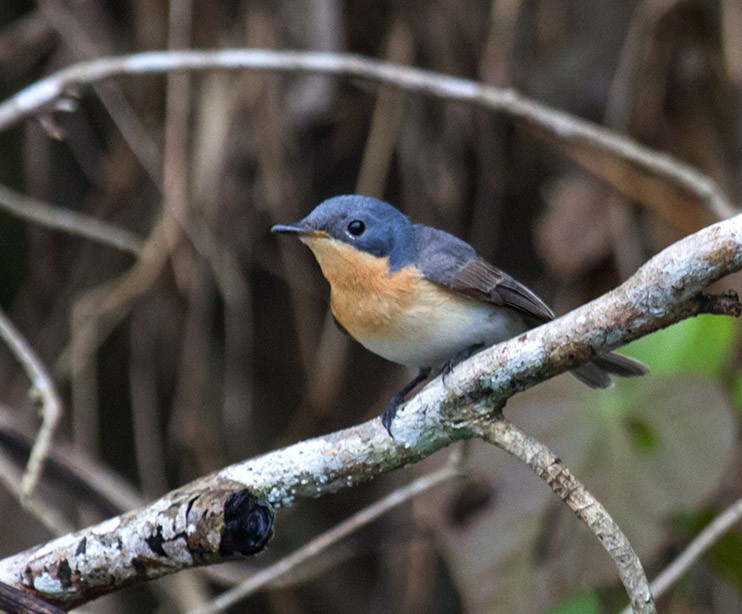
pixel 454 264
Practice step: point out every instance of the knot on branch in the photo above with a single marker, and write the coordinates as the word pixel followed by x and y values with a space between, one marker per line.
pixel 248 524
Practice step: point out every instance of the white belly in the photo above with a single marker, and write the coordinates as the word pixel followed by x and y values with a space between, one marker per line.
pixel 431 337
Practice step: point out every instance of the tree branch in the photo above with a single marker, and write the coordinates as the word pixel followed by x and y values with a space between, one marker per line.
pixel 587 508
pixel 45 96
pixel 42 388
pixel 188 527
pixel 322 542
pixel 68 221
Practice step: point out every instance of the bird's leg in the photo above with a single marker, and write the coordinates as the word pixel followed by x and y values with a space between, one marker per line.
pixel 391 409
pixel 462 355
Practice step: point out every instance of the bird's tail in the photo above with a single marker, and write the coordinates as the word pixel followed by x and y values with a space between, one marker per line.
pixel 597 373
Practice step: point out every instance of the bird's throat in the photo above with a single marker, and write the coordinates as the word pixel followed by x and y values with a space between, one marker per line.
pixel 346 268
pixel 366 297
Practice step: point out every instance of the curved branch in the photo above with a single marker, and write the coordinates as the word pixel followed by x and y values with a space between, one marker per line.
pixel 587 508
pixel 42 388
pixel 44 96
pixel 68 221
pixel 187 527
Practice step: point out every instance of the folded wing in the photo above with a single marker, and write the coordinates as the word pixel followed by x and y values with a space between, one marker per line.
pixel 452 263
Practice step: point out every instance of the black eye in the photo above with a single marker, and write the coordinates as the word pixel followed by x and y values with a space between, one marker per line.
pixel 356 228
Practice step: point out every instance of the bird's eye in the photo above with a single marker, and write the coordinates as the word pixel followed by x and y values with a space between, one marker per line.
pixel 356 228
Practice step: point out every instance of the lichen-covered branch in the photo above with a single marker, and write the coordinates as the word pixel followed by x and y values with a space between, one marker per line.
pixel 309 551
pixel 188 527
pixel 184 529
pixel 586 507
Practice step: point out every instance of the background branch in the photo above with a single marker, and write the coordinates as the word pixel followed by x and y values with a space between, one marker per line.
pixel 42 388
pixel 312 549
pixel 71 222
pixel 702 542
pixel 45 95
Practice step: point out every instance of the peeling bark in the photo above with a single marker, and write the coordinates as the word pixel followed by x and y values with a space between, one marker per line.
pixel 185 529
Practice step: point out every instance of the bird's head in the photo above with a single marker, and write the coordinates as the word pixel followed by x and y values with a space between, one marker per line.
pixel 360 222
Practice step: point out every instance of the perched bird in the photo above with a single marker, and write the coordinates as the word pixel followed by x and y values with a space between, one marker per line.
pixel 419 296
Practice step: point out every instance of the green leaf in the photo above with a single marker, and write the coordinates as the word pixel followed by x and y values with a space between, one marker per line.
pixel 737 392
pixel 702 344
pixel 726 558
pixel 587 603
pixel 643 436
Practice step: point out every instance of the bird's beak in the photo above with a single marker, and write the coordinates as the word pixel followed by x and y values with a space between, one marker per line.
pixel 298 228
pixel 295 228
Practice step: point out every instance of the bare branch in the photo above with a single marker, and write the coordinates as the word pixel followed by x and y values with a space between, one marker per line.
pixel 68 221
pixel 586 507
pixel 43 389
pixel 319 544
pixel 42 96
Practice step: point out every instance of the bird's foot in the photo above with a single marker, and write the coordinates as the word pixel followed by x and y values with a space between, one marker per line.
pixel 391 410
pixel 447 369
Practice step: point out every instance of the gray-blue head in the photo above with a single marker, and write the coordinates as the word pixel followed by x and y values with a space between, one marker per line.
pixel 363 222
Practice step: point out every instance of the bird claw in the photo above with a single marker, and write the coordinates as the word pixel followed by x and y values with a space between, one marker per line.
pixel 391 409
pixel 388 414
pixel 447 370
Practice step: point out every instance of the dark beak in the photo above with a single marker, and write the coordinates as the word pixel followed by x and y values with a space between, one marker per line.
pixel 295 228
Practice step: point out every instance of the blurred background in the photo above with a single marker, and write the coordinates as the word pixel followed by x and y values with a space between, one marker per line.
pixel 202 339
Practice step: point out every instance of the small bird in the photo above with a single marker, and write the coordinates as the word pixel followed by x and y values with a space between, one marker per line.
pixel 418 296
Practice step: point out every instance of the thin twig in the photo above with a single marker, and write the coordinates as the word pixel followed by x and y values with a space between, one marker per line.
pixel 43 95
pixel 100 309
pixel 149 449
pixel 43 389
pixel 322 542
pixel 70 469
pixel 587 508
pixel 77 38
pixel 703 541
pixel 71 222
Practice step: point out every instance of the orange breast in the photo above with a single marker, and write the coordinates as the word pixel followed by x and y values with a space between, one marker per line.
pixel 366 299
pixel 402 316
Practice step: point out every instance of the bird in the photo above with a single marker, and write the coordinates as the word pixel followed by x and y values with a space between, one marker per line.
pixel 419 296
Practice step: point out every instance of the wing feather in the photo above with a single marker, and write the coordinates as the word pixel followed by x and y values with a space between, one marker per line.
pixel 454 264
